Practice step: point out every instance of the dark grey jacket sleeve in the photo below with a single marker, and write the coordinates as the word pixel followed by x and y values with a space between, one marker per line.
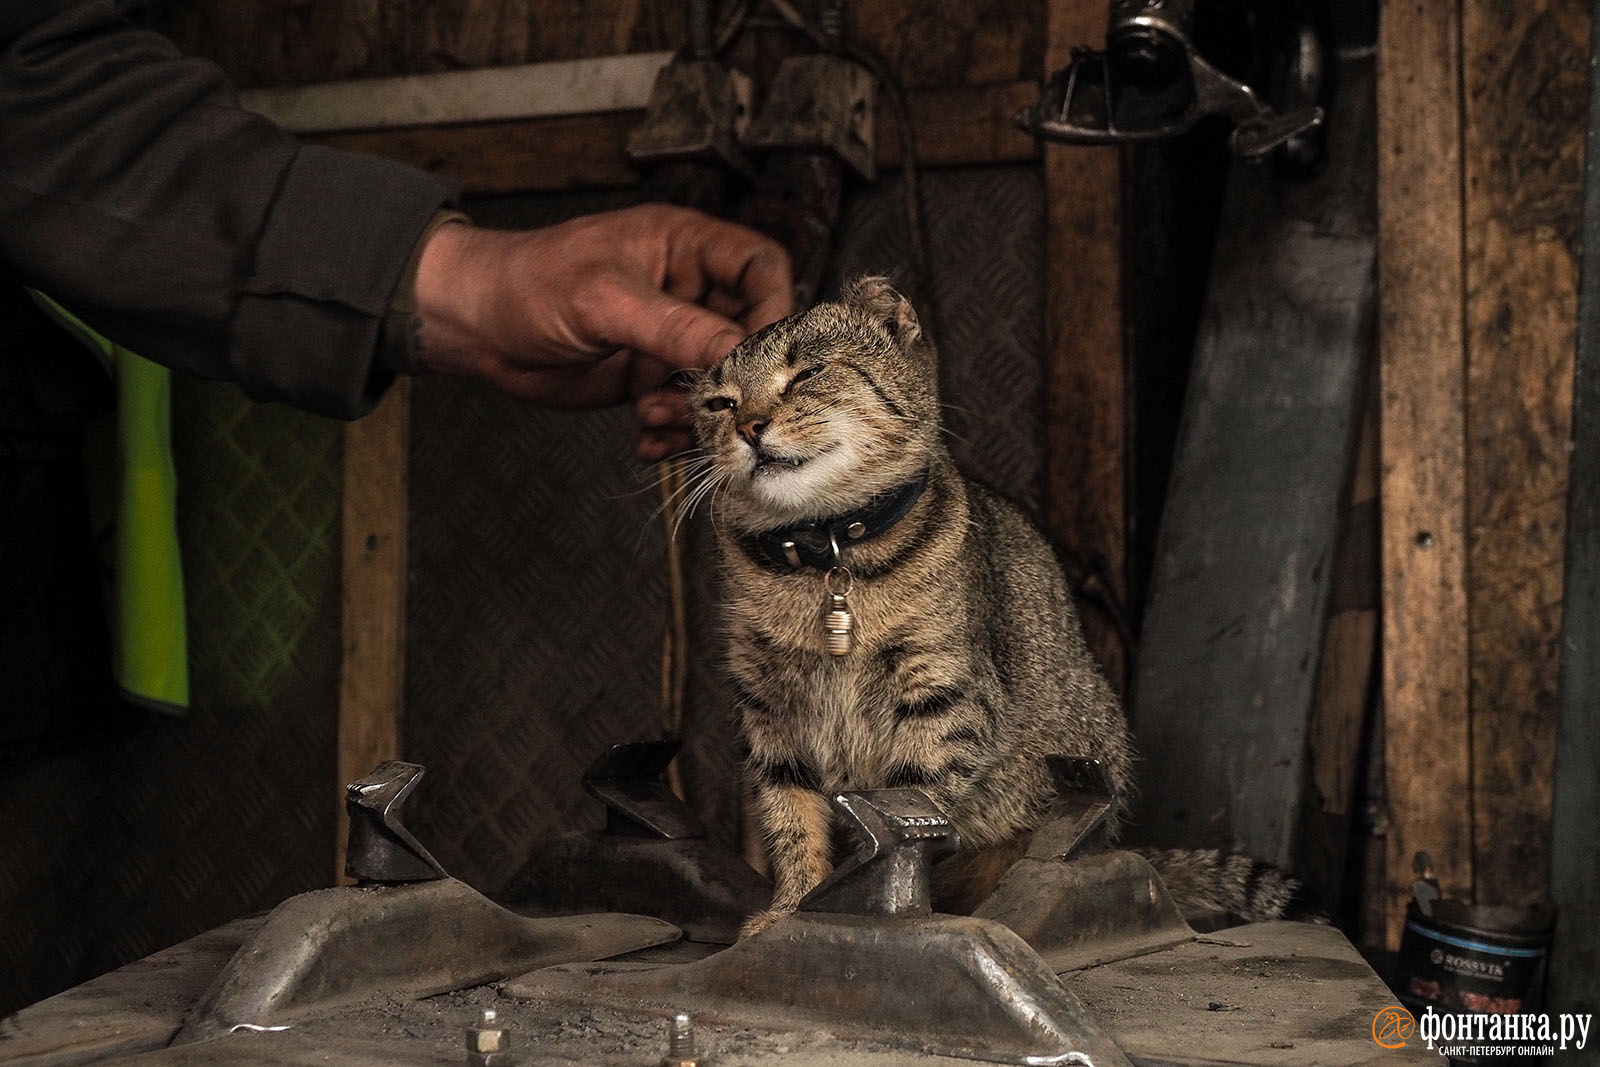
pixel 136 191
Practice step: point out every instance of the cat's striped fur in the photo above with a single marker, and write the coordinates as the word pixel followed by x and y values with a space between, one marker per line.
pixel 969 666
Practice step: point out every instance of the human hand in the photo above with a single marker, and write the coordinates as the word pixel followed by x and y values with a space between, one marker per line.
pixel 599 310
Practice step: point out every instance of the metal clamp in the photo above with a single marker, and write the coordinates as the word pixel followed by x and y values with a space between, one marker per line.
pixel 380 848
pixel 627 779
pixel 698 111
pixel 820 102
pixel 899 833
pixel 1152 82
pixel 1077 818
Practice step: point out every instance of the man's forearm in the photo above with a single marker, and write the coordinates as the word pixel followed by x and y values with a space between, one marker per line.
pixel 135 190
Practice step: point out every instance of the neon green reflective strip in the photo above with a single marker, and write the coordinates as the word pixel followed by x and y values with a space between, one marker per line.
pixel 151 634
pixel 153 647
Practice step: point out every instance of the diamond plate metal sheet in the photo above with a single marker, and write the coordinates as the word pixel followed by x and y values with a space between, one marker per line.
pixel 165 827
pixel 538 593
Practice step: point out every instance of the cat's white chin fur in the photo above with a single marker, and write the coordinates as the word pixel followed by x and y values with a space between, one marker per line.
pixel 827 484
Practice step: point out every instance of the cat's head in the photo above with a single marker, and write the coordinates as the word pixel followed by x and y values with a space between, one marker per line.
pixel 817 414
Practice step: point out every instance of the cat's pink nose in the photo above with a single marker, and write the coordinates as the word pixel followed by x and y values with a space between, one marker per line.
pixel 751 429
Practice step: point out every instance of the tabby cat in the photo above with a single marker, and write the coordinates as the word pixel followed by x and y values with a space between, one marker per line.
pixel 955 661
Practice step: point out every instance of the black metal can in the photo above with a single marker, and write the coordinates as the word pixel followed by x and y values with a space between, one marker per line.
pixel 1473 958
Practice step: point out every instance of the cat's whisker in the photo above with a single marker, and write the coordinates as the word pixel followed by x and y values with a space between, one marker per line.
pixel 651 476
pixel 707 487
pixel 697 468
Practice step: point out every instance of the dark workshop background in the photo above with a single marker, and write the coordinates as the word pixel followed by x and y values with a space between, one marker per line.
pixel 1070 288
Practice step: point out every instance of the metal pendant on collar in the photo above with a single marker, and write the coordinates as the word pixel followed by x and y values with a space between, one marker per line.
pixel 838 623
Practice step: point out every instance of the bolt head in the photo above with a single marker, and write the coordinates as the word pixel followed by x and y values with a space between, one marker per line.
pixel 485 1040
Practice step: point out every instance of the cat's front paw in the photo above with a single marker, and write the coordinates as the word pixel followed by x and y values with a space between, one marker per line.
pixel 760 921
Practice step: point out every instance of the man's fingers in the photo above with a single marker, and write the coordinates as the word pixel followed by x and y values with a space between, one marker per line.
pixel 742 261
pixel 676 332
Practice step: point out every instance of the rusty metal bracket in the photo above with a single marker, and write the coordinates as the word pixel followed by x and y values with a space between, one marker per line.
pixel 820 102
pixel 698 111
pixel 381 850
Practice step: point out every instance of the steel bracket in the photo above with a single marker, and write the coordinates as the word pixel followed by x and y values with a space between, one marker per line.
pixel 698 111
pixel 820 102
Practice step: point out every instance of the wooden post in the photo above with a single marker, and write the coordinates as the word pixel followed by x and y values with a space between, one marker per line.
pixel 372 677
pixel 1524 72
pixel 1086 445
pixel 1427 748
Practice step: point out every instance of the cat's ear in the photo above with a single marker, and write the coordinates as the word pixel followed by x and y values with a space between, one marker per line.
pixel 879 299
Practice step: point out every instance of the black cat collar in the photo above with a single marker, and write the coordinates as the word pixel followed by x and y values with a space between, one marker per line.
pixel 812 543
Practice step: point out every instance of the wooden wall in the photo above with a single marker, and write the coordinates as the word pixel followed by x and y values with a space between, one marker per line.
pixel 934 44
pixel 1482 115
pixel 1482 108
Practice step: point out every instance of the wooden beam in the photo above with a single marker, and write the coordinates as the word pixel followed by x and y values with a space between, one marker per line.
pixel 529 90
pixel 954 126
pixel 1524 72
pixel 1427 746
pixel 1086 446
pixel 1574 984
pixel 372 676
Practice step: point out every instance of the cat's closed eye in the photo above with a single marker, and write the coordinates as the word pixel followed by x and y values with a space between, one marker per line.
pixel 718 403
pixel 809 372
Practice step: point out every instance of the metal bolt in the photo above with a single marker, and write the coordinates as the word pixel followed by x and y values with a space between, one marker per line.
pixel 680 1043
pixel 487 1041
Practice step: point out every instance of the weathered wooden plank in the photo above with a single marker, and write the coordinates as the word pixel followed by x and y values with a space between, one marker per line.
pixel 1575 865
pixel 530 90
pixel 1337 734
pixel 1525 98
pixel 939 43
pixel 1086 377
pixel 1234 628
pixel 1423 432
pixel 289 42
pixel 964 125
pixel 372 676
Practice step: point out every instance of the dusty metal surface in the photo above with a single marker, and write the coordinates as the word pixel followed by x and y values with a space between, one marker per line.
pixel 132 1009
pixel 318 951
pixel 942 985
pixel 1285 994
pixel 1088 911
pixel 1276 993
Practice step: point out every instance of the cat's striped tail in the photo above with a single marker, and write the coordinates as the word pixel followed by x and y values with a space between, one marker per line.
pixel 1208 882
